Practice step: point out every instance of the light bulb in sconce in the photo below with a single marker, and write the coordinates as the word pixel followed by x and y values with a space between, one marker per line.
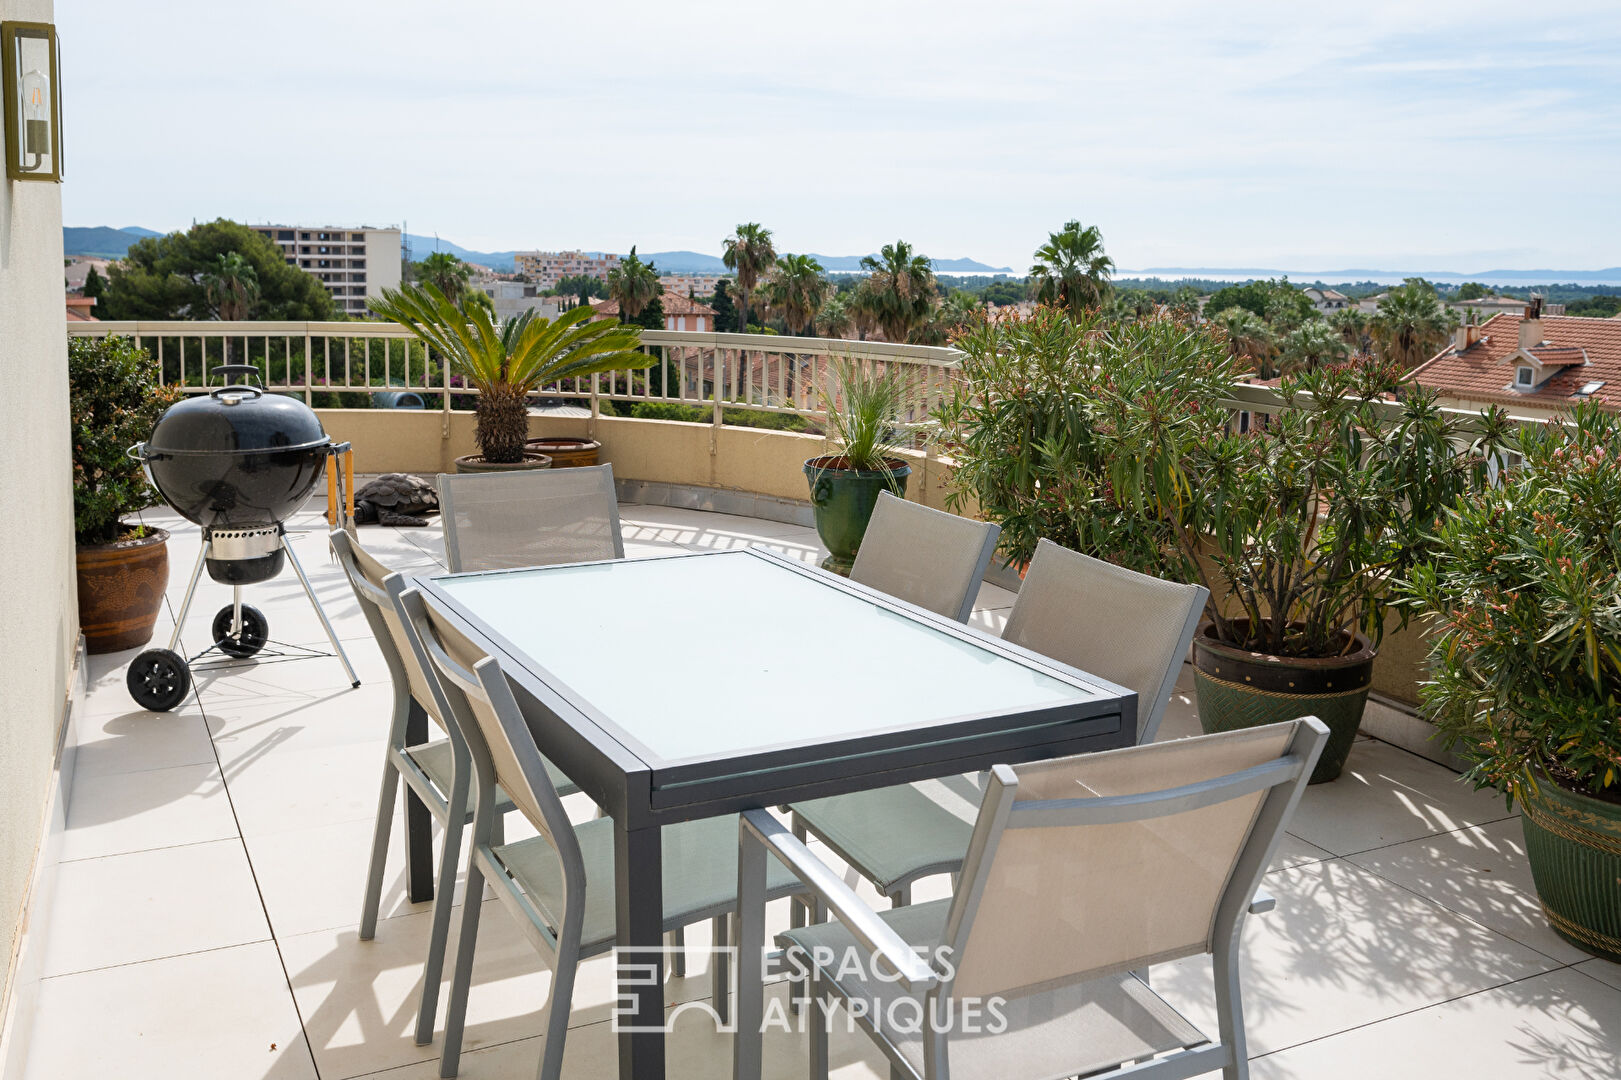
pixel 36 101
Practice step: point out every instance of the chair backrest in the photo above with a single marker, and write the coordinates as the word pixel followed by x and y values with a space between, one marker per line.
pixel 531 517
pixel 925 557
pixel 478 700
pixel 1129 628
pixel 1102 863
pixel 376 587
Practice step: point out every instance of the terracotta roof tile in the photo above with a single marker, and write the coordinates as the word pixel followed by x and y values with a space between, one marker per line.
pixel 674 304
pixel 1482 373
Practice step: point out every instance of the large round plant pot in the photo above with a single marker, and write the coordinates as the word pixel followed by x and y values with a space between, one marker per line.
pixel 1237 688
pixel 567 453
pixel 843 499
pixel 475 463
pixel 1573 842
pixel 121 590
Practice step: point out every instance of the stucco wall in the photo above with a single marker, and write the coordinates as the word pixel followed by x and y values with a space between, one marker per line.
pixel 38 609
pixel 663 451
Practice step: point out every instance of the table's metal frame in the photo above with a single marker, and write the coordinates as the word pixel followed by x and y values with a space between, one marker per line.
pixel 643 792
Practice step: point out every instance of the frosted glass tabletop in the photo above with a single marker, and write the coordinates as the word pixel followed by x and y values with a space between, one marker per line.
pixel 710 655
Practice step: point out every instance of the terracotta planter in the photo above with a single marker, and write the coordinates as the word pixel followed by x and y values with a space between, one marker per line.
pixel 567 453
pixel 843 499
pixel 1573 842
pixel 1237 688
pixel 475 463
pixel 121 591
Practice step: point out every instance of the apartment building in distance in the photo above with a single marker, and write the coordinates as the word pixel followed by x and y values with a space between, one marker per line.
pixel 354 262
pixel 546 268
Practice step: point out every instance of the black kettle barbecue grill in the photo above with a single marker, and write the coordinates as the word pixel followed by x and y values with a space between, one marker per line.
pixel 238 462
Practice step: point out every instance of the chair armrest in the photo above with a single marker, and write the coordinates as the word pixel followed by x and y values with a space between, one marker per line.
pixel 759 826
pixel 1263 902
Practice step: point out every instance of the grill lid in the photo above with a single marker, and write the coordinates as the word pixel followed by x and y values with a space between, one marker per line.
pixel 236 419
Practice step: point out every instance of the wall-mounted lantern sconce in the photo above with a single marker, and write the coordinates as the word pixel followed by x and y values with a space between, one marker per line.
pixel 30 95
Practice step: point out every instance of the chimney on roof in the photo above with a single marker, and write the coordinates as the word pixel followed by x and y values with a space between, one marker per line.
pixel 1531 325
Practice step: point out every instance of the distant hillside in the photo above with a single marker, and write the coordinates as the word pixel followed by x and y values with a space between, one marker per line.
pixel 100 241
pixel 109 243
pixel 1608 276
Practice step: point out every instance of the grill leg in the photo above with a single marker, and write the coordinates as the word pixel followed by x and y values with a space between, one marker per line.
pixel 191 590
pixel 331 636
pixel 236 612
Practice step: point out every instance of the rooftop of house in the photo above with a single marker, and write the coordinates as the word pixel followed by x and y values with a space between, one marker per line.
pixel 204 919
pixel 674 303
pixel 1575 359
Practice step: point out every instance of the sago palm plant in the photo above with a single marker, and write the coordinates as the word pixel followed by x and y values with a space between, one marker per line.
pixel 507 361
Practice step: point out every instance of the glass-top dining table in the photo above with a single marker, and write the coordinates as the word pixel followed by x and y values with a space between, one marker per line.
pixel 700 684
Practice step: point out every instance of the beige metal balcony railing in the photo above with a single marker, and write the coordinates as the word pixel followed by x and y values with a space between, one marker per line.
pixel 717 371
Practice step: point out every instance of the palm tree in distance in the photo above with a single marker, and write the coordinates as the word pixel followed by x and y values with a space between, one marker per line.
pixel 1352 326
pixel 1071 270
pixel 795 291
pixel 748 254
pixel 232 287
pixel 1311 344
pixel 835 320
pixel 444 272
pixel 864 309
pixel 902 289
pixel 634 284
pixel 1248 336
pixel 1411 325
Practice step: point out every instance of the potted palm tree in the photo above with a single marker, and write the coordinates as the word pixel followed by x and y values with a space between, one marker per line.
pixel 123 569
pixel 1523 591
pixel 1300 529
pixel 507 361
pixel 863 417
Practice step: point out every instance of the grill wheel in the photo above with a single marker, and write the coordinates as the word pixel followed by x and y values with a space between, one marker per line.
pixel 255 632
pixel 158 679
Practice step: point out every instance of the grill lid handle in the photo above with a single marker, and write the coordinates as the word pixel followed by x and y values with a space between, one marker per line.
pixel 236 369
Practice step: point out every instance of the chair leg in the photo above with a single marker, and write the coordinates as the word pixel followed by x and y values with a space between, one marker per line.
pixel 900 897
pixel 462 978
pixel 1230 1014
pixel 557 1013
pixel 386 801
pixel 819 1019
pixel 677 940
pixel 444 898
pixel 720 969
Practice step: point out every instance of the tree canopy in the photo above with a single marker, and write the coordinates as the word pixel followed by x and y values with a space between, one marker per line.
pixel 163 277
pixel 1071 270
pixel 635 284
pixel 1411 325
pixel 900 290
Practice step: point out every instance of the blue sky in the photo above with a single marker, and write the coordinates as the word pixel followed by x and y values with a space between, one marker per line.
pixel 1429 135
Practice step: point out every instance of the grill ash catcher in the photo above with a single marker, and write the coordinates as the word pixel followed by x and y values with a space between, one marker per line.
pixel 238 462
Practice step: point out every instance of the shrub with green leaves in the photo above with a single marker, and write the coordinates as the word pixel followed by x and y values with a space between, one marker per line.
pixel 1309 519
pixel 115 400
pixel 1523 591
pixel 1079 430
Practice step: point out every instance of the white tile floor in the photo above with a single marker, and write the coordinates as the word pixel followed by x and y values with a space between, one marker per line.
pixel 204 923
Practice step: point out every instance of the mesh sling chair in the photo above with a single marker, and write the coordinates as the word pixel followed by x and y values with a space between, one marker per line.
pixel 559 885
pixel 925 557
pixel 438 773
pixel 533 517
pixel 1129 628
pixel 1081 873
